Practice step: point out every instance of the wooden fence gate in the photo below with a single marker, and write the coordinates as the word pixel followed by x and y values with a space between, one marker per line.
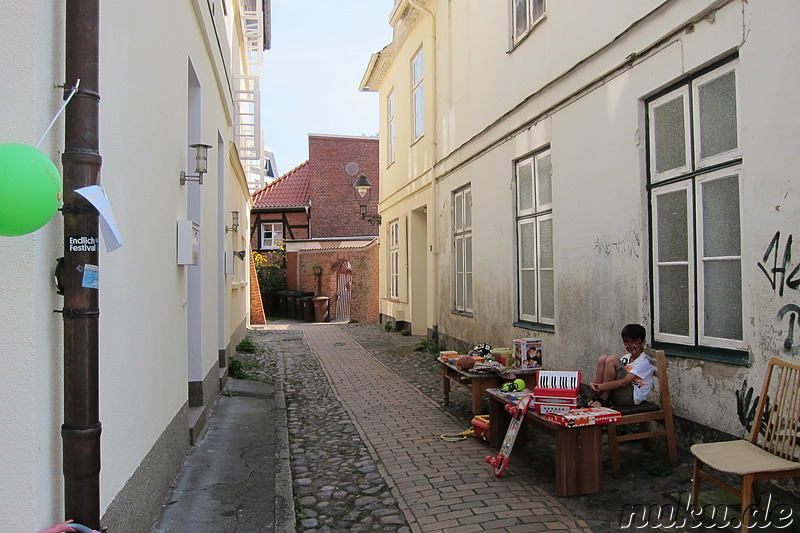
pixel 344 291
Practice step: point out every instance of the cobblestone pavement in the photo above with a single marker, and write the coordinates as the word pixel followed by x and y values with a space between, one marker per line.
pixel 365 414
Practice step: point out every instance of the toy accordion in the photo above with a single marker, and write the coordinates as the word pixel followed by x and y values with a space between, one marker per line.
pixel 556 391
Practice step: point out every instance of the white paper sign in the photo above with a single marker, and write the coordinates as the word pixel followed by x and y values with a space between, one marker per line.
pixel 97 197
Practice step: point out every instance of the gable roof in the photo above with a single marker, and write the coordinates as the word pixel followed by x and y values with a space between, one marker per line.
pixel 290 190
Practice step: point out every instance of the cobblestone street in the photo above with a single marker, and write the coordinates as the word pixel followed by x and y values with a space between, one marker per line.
pixel 365 413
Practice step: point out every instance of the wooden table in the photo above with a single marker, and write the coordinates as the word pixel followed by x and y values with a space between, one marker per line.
pixel 477 383
pixel 579 451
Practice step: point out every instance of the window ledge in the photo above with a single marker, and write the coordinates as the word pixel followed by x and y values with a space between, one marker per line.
pixel 535 326
pixel 705 353
pixel 462 313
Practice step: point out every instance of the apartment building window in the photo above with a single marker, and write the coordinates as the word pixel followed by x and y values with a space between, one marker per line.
pixel 271 236
pixel 525 14
pixel 535 268
pixel 418 94
pixel 390 149
pixel 393 281
pixel 462 246
pixel 694 175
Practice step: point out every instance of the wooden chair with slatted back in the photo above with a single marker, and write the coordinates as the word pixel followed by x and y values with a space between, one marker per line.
pixel 776 457
pixel 643 414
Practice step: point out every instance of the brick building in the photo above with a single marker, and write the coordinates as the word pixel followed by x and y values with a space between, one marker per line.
pixel 311 213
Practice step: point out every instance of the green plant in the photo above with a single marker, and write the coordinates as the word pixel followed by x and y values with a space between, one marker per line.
pixel 270 270
pixel 406 332
pixel 426 345
pixel 389 326
pixel 246 345
pixel 240 369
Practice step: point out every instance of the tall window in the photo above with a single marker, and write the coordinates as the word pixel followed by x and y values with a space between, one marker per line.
pixel 462 246
pixel 394 259
pixel 418 94
pixel 535 274
pixel 390 149
pixel 525 14
pixel 271 236
pixel 694 176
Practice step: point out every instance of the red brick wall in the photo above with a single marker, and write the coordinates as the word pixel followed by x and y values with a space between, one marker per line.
pixel 334 210
pixel 364 305
pixel 256 305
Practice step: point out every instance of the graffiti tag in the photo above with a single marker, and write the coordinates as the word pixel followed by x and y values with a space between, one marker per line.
pixel 625 242
pixel 777 267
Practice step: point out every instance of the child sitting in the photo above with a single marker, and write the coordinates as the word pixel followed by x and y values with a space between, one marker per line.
pixel 626 380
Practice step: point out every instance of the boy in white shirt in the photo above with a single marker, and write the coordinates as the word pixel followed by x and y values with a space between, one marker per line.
pixel 625 380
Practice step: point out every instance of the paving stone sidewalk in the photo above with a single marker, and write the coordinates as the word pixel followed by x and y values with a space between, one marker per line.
pixel 365 414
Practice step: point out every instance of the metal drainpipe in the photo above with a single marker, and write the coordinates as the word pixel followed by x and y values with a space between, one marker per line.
pixel 81 161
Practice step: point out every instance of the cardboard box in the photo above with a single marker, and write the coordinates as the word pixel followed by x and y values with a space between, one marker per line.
pixel 528 353
pixel 588 416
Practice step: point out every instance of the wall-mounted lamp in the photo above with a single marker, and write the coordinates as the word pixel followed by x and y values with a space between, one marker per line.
pixel 363 192
pixel 201 164
pixel 234 222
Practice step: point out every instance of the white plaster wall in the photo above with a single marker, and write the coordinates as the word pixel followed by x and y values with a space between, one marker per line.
pixel 599 194
pixel 30 333
pixel 143 344
pixel 144 145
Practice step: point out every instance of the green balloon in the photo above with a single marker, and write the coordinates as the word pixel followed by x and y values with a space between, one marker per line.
pixel 30 189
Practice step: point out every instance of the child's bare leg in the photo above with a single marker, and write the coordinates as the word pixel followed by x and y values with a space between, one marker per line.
pixel 601 368
pixel 609 373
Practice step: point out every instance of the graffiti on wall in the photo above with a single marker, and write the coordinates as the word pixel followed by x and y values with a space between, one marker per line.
pixel 626 241
pixel 746 408
pixel 777 266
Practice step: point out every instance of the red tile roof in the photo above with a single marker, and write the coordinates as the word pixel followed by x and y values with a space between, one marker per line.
pixel 290 190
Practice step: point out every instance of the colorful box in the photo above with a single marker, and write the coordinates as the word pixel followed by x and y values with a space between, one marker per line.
pixel 504 356
pixel 588 416
pixel 449 356
pixel 528 353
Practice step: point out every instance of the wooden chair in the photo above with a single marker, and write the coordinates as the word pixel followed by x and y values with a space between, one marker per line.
pixel 643 414
pixel 775 457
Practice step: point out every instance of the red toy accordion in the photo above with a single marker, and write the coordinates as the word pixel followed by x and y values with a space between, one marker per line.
pixel 556 391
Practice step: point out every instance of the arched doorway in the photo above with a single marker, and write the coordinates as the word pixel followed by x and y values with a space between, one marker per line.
pixel 344 291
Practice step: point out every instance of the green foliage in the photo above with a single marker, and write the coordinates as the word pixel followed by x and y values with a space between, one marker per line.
pixel 246 345
pixel 661 470
pixel 240 369
pixel 271 270
pixel 389 326
pixel 426 345
pixel 406 332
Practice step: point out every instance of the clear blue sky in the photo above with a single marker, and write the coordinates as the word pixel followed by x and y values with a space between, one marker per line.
pixel 320 50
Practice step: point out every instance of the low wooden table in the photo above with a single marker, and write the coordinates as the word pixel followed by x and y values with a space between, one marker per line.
pixel 478 383
pixel 579 451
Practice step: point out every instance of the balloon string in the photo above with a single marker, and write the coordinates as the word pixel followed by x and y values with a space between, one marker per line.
pixel 61 110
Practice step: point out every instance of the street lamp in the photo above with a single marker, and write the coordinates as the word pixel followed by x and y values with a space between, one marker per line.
pixel 363 192
pixel 201 164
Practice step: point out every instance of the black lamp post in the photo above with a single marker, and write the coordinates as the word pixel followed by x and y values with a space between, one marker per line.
pixel 363 192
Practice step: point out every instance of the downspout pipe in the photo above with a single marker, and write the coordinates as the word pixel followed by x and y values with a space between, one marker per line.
pixel 81 161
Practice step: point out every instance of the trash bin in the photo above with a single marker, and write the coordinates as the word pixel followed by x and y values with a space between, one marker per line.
pixel 322 309
pixel 282 306
pixel 291 304
pixel 308 308
pixel 297 311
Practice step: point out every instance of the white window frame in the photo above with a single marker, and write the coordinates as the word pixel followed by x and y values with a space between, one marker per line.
pixel 391 151
pixel 272 242
pixel 462 250
pixel 540 210
pixel 690 178
pixel 393 258
pixel 418 95
pixel 531 21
